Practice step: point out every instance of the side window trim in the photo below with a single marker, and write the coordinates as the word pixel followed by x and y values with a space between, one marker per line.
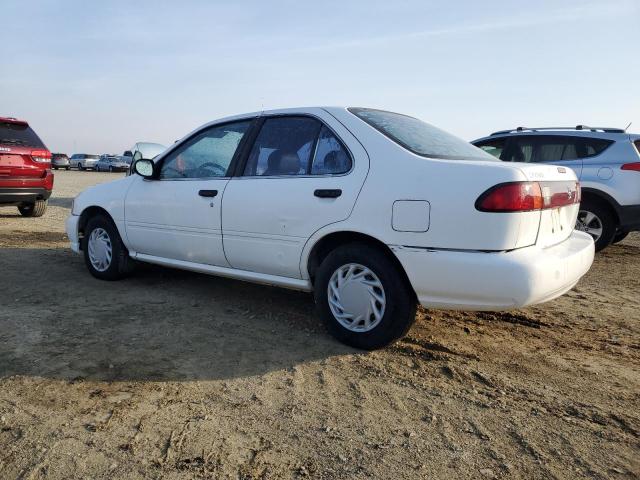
pixel 232 164
pixel 252 136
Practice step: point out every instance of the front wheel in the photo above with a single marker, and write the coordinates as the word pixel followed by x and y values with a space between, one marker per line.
pixel 80 166
pixel 105 255
pixel 35 209
pixel 597 220
pixel 363 297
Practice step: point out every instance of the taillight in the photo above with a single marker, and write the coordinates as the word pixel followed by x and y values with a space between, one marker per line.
pixel 41 156
pixel 528 196
pixel 631 166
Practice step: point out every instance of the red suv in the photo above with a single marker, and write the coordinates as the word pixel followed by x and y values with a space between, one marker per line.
pixel 26 179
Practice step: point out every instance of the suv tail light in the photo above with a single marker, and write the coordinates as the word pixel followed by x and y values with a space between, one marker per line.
pixel 41 156
pixel 631 166
pixel 528 196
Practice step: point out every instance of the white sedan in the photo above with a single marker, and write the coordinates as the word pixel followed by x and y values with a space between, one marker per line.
pixel 375 212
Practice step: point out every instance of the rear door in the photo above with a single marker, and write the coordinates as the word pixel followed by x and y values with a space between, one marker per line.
pixel 302 173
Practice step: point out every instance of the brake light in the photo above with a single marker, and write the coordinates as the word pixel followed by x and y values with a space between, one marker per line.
pixel 635 166
pixel 528 196
pixel 41 156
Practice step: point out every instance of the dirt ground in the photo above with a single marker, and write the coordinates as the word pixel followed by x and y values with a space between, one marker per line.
pixel 172 375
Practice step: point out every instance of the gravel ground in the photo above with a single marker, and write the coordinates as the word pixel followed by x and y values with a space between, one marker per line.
pixel 172 374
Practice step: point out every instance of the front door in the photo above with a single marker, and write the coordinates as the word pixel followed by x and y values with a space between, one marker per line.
pixel 177 215
pixel 301 174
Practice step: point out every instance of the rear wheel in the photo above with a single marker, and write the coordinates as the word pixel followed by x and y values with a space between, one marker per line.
pixel 363 298
pixel 105 255
pixel 596 219
pixel 35 209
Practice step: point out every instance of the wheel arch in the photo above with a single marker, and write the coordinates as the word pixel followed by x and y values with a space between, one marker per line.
pixel 332 240
pixel 88 213
pixel 605 198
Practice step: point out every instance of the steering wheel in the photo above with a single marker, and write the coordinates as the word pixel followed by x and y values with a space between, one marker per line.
pixel 169 168
pixel 213 166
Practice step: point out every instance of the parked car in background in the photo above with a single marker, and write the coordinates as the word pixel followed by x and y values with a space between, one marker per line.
pixel 60 160
pixel 111 163
pixel 605 160
pixel 84 161
pixel 145 150
pixel 373 211
pixel 26 180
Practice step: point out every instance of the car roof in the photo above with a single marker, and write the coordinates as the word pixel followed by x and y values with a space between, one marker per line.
pixel 584 131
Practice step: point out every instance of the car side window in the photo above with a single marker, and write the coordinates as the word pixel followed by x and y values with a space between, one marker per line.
pixel 284 146
pixel 331 157
pixel 206 155
pixel 520 149
pixel 553 148
pixel 493 147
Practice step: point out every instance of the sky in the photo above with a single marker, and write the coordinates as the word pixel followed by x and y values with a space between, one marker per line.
pixel 96 77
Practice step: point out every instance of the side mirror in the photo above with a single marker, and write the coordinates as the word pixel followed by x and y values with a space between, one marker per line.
pixel 127 153
pixel 144 168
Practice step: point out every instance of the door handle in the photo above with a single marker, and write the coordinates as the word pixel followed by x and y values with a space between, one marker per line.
pixel 208 193
pixel 328 193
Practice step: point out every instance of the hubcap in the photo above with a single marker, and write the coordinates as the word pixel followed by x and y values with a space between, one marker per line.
pixel 99 249
pixel 590 223
pixel 356 297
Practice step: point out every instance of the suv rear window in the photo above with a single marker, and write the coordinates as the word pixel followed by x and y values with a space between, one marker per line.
pixel 419 137
pixel 19 134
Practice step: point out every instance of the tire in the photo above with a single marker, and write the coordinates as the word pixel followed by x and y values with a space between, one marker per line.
pixel 55 168
pixel 67 168
pixel 399 299
pixel 80 166
pixel 619 236
pixel 604 217
pixel 36 209
pixel 120 265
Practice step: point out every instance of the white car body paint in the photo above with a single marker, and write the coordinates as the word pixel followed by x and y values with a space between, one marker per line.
pixel 263 229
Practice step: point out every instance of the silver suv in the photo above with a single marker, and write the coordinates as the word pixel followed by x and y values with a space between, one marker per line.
pixel 606 160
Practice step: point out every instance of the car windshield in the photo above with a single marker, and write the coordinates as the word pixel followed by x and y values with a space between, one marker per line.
pixel 420 137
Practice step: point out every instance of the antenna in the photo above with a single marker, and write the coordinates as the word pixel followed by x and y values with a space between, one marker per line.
pixel 627 127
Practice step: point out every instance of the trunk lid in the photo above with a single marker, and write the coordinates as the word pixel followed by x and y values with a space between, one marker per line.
pixel 559 185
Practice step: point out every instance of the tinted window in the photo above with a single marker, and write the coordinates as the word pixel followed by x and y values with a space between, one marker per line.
pixel 493 147
pixel 420 137
pixel 284 146
pixel 92 157
pixel 19 134
pixel 550 148
pixel 519 149
pixel 206 155
pixel 331 156
pixel 590 147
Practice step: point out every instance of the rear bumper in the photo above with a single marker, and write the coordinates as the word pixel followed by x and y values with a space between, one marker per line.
pixel 10 196
pixel 71 227
pixel 629 217
pixel 464 280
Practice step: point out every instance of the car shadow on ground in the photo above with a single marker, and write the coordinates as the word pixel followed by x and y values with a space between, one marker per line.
pixel 160 324
pixel 64 202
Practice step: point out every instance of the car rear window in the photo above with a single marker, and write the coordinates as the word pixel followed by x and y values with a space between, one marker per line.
pixel 420 137
pixel 19 134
